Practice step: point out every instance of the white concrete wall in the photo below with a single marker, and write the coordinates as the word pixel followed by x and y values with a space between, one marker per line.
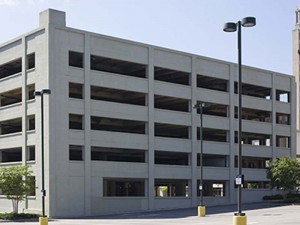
pixel 140 53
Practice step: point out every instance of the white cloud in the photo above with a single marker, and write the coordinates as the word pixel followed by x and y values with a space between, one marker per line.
pixel 9 2
pixel 32 2
pixel 18 2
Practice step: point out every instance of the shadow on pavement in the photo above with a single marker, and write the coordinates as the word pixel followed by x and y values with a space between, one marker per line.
pixel 187 212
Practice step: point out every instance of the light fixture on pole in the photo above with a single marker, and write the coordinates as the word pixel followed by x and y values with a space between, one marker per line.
pixel 240 218
pixel 201 208
pixel 43 219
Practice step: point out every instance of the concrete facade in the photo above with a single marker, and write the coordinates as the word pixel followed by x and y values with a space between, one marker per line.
pixel 296 71
pixel 120 111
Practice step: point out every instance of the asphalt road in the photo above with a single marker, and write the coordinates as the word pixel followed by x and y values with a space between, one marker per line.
pixel 257 214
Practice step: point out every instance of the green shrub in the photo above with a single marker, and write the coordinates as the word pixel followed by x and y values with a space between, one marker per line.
pixel 292 195
pixel 292 200
pixel 19 216
pixel 273 197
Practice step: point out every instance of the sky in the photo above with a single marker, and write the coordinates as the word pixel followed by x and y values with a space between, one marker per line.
pixel 193 26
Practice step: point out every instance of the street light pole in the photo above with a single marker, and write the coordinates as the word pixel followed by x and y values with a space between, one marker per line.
pixel 240 117
pixel 201 208
pixel 240 218
pixel 43 219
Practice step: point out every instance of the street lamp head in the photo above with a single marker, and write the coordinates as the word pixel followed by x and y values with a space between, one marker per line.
pixel 248 22
pixel 230 27
pixel 46 91
pixel 37 93
pixel 196 106
pixel 43 91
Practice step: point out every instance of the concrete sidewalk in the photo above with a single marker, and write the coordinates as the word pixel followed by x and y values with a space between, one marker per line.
pixel 259 213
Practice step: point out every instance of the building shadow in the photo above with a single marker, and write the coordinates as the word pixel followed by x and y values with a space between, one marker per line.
pixel 186 212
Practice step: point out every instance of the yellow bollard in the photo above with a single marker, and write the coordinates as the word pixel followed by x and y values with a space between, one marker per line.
pixel 239 220
pixel 201 211
pixel 43 220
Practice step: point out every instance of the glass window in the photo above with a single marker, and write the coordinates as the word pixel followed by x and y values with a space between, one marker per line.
pixel 76 152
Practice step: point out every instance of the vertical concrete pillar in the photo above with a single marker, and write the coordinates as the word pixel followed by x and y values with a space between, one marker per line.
pixel 195 121
pixel 233 100
pixel 24 105
pixel 273 100
pixel 87 126
pixel 296 63
pixel 293 122
pixel 151 138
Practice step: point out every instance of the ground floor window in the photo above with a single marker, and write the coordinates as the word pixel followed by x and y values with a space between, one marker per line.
pixel 171 188
pixel 123 187
pixel 212 188
pixel 257 185
pixel 32 184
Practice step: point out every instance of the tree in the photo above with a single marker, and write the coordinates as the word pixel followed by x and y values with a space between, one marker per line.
pixel 16 183
pixel 284 174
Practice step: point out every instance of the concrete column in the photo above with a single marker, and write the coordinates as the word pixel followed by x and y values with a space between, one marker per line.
pixel 296 69
pixel 296 73
pixel 273 99
pixel 49 116
pixel 293 122
pixel 151 138
pixel 195 149
pixel 87 126
pixel 233 100
pixel 24 106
